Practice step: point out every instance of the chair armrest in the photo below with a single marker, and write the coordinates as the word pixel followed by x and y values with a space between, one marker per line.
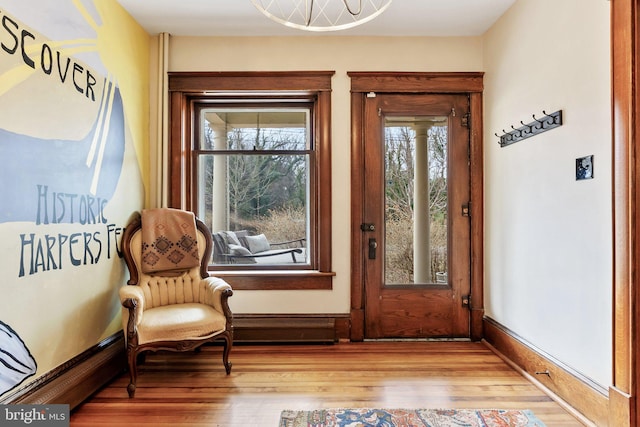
pixel 218 292
pixel 132 298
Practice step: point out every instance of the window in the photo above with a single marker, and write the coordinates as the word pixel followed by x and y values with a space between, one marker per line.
pixel 253 184
pixel 250 155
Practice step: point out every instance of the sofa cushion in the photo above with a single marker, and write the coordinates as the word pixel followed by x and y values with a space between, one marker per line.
pixel 257 244
pixel 241 251
pixel 230 238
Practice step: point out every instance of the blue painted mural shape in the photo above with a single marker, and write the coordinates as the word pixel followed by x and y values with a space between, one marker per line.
pixel 16 362
pixel 50 181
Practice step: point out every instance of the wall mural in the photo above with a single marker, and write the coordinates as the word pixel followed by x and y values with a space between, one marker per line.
pixel 63 137
pixel 16 362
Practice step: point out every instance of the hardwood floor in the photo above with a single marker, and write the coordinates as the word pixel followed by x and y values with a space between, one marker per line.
pixel 191 389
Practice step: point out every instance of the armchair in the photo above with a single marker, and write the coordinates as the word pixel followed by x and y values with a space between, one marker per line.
pixel 175 310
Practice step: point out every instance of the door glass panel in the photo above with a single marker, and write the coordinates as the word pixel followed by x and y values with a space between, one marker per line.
pixel 416 208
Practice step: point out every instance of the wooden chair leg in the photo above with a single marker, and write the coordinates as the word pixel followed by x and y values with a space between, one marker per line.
pixel 133 372
pixel 225 354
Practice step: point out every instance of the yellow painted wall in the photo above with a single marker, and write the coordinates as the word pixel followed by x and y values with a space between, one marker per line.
pixel 82 91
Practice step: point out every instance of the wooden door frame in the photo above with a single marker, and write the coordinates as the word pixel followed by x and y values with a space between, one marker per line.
pixel 625 55
pixel 362 83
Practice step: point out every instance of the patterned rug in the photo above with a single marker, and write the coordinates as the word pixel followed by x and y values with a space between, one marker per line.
pixel 409 418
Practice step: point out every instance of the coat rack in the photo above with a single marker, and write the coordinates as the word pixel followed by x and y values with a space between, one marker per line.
pixel 548 121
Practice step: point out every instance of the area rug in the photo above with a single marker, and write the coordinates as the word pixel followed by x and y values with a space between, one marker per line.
pixel 409 418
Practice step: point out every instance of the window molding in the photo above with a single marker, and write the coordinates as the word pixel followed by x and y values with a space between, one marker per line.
pixel 188 88
pixel 277 279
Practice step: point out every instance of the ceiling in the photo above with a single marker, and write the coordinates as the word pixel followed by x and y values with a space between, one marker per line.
pixel 241 18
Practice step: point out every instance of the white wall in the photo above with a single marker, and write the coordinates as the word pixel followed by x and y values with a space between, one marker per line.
pixel 548 237
pixel 341 54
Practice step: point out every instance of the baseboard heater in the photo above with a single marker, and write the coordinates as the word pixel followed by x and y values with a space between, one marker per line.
pixel 283 329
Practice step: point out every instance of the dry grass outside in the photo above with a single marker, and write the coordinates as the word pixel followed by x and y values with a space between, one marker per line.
pixel 399 266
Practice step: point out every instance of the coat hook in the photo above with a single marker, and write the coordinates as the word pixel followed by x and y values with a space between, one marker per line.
pixel 526 130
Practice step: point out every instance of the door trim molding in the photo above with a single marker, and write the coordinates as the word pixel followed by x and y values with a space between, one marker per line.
pixel 416 82
pixel 625 104
pixel 470 83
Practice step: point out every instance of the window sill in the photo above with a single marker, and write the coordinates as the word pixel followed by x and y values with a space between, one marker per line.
pixel 276 280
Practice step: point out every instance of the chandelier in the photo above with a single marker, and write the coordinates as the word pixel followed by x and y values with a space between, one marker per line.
pixel 321 15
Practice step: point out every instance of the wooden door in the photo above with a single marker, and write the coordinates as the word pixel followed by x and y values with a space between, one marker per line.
pixel 416 229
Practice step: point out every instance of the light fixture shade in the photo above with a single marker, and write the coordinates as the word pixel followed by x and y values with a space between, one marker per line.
pixel 321 15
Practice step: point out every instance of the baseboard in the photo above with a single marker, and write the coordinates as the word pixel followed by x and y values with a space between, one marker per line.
pixel 584 398
pixel 302 328
pixel 621 408
pixel 76 380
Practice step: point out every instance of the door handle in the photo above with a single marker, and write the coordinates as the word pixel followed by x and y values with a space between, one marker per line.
pixel 373 245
